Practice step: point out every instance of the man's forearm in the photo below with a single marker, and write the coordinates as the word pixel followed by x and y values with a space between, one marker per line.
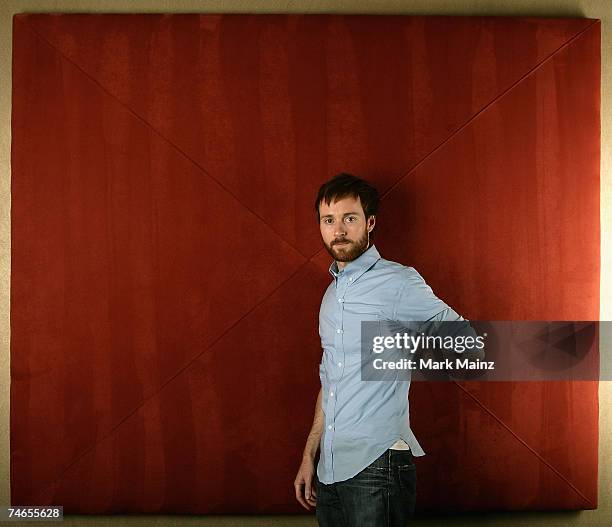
pixel 314 437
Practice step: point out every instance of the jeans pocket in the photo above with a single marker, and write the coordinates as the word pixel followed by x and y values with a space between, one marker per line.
pixel 404 458
pixel 369 478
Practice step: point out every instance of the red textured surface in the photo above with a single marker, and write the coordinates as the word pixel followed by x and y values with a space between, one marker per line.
pixel 167 269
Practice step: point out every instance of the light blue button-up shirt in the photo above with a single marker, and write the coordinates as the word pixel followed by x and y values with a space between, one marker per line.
pixel 364 418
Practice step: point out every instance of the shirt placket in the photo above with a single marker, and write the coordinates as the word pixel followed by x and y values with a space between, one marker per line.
pixel 339 361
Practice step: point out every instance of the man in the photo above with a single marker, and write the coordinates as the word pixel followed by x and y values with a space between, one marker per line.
pixel 366 474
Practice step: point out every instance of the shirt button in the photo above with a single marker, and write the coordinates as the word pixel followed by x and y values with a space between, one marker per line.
pixel 339 364
pixel 338 330
pixel 330 427
pixel 331 393
pixel 351 279
pixel 341 300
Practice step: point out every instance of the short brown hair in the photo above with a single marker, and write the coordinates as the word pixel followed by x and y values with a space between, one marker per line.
pixel 343 185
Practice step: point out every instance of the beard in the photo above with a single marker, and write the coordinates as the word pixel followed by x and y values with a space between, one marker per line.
pixel 350 251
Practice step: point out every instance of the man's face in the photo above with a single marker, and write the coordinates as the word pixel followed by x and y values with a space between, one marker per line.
pixel 344 228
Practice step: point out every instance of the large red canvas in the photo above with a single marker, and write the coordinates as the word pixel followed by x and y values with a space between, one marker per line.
pixel 167 269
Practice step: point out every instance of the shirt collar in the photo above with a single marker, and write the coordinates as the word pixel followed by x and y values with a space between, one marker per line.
pixel 355 268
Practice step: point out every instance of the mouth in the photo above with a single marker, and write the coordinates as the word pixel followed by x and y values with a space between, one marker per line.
pixel 341 243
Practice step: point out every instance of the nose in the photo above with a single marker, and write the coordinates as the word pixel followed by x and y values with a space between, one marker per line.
pixel 340 232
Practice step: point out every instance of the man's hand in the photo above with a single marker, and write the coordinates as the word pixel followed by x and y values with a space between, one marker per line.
pixel 305 491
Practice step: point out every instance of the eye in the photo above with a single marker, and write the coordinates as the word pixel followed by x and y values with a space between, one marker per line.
pixel 351 218
pixel 327 221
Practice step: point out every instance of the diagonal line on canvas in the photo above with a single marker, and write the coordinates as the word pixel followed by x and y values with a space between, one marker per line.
pixel 94 445
pixel 487 106
pixel 385 193
pixel 188 364
pixel 162 137
pixel 467 123
pixel 523 442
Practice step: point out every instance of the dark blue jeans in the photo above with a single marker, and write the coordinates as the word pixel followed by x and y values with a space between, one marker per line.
pixel 382 495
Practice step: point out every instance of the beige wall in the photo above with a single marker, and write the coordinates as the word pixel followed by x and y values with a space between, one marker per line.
pixel 601 9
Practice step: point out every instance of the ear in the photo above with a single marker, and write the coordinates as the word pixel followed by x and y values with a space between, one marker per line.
pixel 371 223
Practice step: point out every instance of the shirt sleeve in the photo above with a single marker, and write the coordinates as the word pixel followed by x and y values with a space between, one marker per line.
pixel 417 302
pixel 419 310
